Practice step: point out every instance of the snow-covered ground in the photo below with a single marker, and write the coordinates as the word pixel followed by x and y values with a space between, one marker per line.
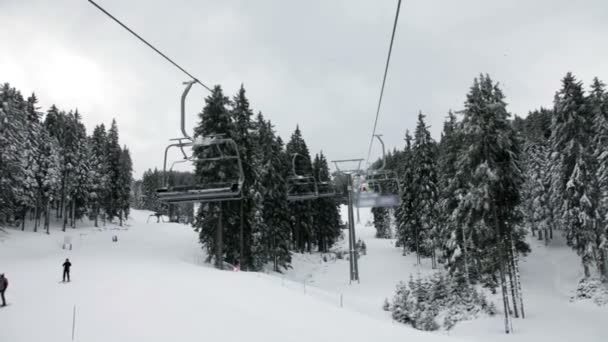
pixel 152 285
pixel 549 278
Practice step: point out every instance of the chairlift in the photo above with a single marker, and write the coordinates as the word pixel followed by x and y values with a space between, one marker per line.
pixel 300 187
pixel 379 187
pixel 228 190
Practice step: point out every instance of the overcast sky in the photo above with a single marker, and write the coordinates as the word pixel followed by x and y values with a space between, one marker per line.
pixel 316 63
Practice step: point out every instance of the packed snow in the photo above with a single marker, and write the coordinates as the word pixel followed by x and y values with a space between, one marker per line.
pixel 153 285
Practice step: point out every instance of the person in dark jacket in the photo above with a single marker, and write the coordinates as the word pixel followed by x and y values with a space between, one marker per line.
pixel 66 269
pixel 3 287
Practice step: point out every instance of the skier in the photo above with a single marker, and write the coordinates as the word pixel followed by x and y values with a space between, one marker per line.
pixel 3 287
pixel 66 270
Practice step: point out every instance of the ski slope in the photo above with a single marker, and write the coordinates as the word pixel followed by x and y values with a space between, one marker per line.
pixel 549 277
pixel 152 286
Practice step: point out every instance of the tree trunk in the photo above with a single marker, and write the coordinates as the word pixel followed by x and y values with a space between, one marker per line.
pixel 515 261
pixel 503 285
pixel 416 242
pixel 36 210
pixel 23 217
pixel 47 217
pixel 512 283
pixel 218 236
pixel 73 213
pixel 466 257
pixel 96 216
pixel 242 237
pixel 65 215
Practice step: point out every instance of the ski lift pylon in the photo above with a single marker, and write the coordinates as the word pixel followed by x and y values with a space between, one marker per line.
pixel 205 191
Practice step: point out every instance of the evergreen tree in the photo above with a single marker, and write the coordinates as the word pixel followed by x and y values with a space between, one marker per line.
pixel 326 215
pixel 214 119
pixel 452 234
pixel 275 209
pixel 125 179
pixel 382 222
pixel 404 214
pixel 113 154
pixel 244 211
pixel 599 106
pixel 301 220
pixel 491 196
pixel 425 192
pixel 12 172
pixel 576 178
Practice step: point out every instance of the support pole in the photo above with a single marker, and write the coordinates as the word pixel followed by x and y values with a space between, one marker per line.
pixel 73 322
pixel 219 256
pixel 354 268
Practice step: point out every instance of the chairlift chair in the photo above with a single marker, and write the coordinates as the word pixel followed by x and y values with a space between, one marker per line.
pixel 300 187
pixel 379 187
pixel 229 190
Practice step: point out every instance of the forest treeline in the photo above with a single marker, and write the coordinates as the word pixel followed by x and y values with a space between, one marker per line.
pixel 50 169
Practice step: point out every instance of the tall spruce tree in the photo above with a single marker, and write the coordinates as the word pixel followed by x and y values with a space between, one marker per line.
pixel 326 214
pixel 125 179
pixel 99 171
pixel 598 102
pixel 244 211
pixel 276 212
pixel 575 180
pixel 425 191
pixel 301 220
pixel 404 213
pixel 490 199
pixel 211 223
pixel 113 155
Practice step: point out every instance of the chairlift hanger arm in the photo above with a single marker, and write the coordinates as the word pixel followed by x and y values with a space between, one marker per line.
pixel 183 108
pixel 379 137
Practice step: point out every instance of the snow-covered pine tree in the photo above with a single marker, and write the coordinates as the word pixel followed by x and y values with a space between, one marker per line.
pixel 301 220
pixel 113 154
pixel 98 172
pixel 599 106
pixel 381 217
pixel 214 119
pixel 405 223
pixel 151 181
pixel 243 211
pixel 326 215
pixel 80 177
pixel 274 171
pixel 491 161
pixel 12 128
pixel 452 234
pixel 125 178
pixel 424 191
pixel 576 178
